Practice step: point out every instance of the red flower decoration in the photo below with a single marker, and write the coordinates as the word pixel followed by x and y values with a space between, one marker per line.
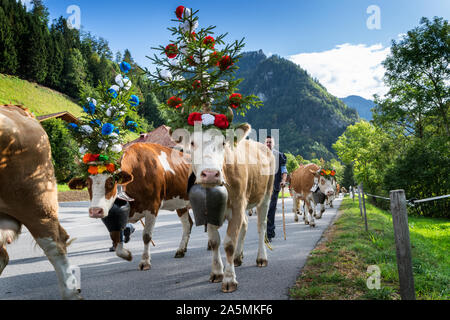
pixel 194 117
pixel 209 42
pixel 333 173
pixel 179 12
pixel 214 58
pixel 171 51
pixel 175 102
pixel 235 100
pixel 190 60
pixel 225 63
pixel 221 121
pixel 197 84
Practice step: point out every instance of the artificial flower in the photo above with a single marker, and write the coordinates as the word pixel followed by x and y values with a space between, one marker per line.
pixel 166 75
pixel 225 63
pixel 194 117
pixel 221 121
pixel 175 102
pixel 111 167
pixel 197 84
pixel 179 12
pixel 235 100
pixel 208 119
pixel 171 51
pixel 93 170
pixel 209 42
pixel 134 100
pixel 125 67
pixel 107 129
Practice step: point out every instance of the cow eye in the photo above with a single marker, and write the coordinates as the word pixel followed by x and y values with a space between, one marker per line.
pixel 192 144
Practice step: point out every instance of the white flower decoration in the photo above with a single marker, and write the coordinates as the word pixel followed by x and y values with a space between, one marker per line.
pixel 116 148
pixel 221 85
pixel 208 119
pixel 114 137
pixel 110 111
pixel 83 150
pixel 87 129
pixel 187 27
pixel 115 88
pixel 179 78
pixel 166 75
pixel 103 145
pixel 187 12
pixel 127 83
pixel 119 80
pixel 94 102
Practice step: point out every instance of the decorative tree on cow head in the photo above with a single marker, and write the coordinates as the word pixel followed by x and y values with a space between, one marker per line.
pixel 101 130
pixel 197 69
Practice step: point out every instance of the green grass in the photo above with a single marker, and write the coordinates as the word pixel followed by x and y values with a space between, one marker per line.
pixel 63 188
pixel 337 268
pixel 38 99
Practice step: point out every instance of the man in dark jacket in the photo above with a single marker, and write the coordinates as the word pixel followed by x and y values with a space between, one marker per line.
pixel 280 182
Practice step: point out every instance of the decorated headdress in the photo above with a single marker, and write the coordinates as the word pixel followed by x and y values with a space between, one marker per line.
pixel 196 69
pixel 327 173
pixel 101 130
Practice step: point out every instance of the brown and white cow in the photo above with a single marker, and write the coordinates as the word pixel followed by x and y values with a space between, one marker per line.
pixel 28 193
pixel 302 181
pixel 247 171
pixel 156 178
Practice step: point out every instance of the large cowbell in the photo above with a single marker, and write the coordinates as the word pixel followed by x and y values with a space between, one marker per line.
pixel 209 204
pixel 117 218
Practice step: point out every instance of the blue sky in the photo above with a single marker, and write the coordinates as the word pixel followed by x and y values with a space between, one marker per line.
pixel 319 35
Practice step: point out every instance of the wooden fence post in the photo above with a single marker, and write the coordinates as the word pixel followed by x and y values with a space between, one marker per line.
pixel 401 233
pixel 364 206
pixel 359 197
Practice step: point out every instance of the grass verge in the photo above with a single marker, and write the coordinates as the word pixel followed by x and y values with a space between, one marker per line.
pixel 337 268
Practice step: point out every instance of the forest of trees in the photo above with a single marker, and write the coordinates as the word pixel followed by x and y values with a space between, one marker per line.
pixel 407 145
pixel 67 60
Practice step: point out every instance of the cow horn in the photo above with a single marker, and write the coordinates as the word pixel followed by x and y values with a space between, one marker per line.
pixel 312 171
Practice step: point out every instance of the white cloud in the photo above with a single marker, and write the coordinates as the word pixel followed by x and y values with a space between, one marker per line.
pixel 347 69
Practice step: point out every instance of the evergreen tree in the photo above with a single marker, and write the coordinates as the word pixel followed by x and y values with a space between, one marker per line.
pixel 8 54
pixel 55 60
pixel 75 76
pixel 34 66
pixel 149 110
pixel 199 75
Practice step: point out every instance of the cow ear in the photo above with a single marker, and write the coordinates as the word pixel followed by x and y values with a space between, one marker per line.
pixel 78 184
pixel 124 178
pixel 243 131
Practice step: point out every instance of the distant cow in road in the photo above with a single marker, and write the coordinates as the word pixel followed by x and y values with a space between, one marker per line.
pixel 302 181
pixel 156 179
pixel 28 193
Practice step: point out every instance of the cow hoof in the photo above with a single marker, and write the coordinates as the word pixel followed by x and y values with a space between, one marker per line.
pixel 216 278
pixel 313 225
pixel 261 263
pixel 229 287
pixel 296 219
pixel 75 295
pixel 179 254
pixel 238 260
pixel 145 266
pixel 306 222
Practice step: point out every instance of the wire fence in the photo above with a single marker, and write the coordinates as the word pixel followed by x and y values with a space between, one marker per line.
pixel 398 206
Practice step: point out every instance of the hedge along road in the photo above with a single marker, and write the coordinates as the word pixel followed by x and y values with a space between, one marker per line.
pixel 30 276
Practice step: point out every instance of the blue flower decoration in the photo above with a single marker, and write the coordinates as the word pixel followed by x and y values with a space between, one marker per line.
pixel 89 109
pixel 132 126
pixel 96 122
pixel 107 129
pixel 113 93
pixel 125 67
pixel 73 126
pixel 134 100
pixel 116 130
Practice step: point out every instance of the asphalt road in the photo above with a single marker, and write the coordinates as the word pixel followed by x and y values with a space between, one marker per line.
pixel 30 276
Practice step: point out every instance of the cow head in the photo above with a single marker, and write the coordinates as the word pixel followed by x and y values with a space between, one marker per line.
pixel 102 191
pixel 207 149
pixel 326 184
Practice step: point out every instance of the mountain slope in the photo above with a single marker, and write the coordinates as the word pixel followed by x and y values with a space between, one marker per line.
pixel 310 119
pixel 38 99
pixel 363 106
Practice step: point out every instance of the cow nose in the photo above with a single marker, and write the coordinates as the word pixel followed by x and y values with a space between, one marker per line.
pixel 210 176
pixel 96 213
pixel 330 193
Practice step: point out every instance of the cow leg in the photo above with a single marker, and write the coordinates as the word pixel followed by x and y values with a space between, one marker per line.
pixel 150 220
pixel 9 231
pixel 187 223
pixel 214 242
pixel 261 259
pixel 322 210
pixel 239 255
pixel 121 252
pixel 229 283
pixel 52 238
pixel 311 210
pixel 296 208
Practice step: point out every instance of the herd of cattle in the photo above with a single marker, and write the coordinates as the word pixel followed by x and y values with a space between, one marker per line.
pixel 156 178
